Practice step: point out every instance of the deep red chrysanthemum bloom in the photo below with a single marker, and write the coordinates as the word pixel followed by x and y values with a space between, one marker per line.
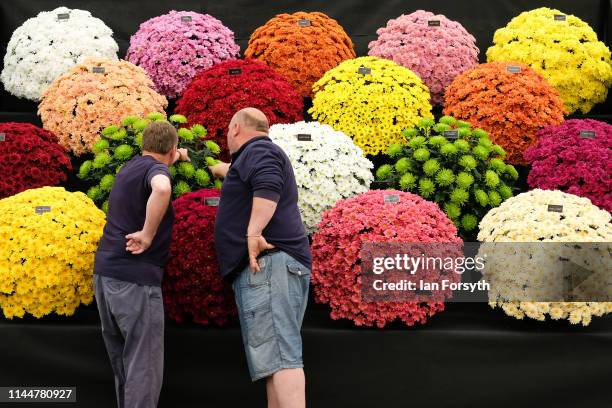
pixel 30 157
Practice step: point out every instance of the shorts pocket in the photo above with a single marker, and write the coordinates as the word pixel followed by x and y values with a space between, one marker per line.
pixel 260 328
pixel 297 268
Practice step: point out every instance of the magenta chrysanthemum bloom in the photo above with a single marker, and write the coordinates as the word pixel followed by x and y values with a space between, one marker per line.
pixel 431 45
pixel 367 218
pixel 174 47
pixel 574 157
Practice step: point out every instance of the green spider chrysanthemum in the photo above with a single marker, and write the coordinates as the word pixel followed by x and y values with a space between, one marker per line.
pixel 480 152
pixel 394 150
pixel 403 165
pixel 421 154
pixel 469 222
pixel 462 145
pixel 426 187
pixel 109 130
pixel 511 171
pixel 467 162
pixel 452 210
pixel 202 177
pixel 498 150
pixel 505 191
pixel 491 179
pixel 495 198
pixel 186 169
pixel 101 160
pixel 480 133
pixel 459 196
pixel 410 133
pixel 178 119
pixel 437 141
pixel 481 197
pixel 407 181
pixel 431 167
pixel 140 125
pixel 448 149
pixel 441 127
pixel 180 188
pixel 383 171
pixel 448 120
pixel 85 168
pixel 185 135
pixel 445 177
pixel 100 146
pixel 497 165
pixel 106 183
pixel 464 180
pixel 94 193
pixel 155 116
pixel 213 147
pixel 416 142
pixel 199 130
pixel 124 152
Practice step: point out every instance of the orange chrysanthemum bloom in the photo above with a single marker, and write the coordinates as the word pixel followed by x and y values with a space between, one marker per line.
pixel 509 100
pixel 301 47
pixel 93 95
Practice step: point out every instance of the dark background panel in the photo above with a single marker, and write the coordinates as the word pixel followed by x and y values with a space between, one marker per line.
pixel 360 18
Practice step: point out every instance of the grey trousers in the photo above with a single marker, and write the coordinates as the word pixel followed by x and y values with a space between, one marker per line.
pixel 132 318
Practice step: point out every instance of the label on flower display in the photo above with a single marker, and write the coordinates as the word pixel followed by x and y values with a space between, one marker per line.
pixel 392 198
pixel 364 71
pixel 235 71
pixel 303 22
pixel 514 69
pixel 451 134
pixel 587 134
pixel 97 70
pixel 186 19
pixel 304 137
pixel 2 137
pixel 560 17
pixel 433 23
pixel 63 16
pixel 555 208
pixel 41 209
pixel 212 201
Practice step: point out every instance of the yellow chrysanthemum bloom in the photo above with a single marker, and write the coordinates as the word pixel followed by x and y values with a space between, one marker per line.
pixel 49 237
pixel 564 49
pixel 372 100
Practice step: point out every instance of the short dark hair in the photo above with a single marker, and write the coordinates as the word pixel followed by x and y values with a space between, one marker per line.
pixel 159 137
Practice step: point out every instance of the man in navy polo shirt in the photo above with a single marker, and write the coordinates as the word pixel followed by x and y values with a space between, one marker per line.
pixel 263 249
pixel 129 267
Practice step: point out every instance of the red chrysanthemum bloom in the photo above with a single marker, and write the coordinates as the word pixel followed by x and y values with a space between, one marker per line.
pixel 30 157
pixel 574 157
pixel 193 286
pixel 336 247
pixel 216 94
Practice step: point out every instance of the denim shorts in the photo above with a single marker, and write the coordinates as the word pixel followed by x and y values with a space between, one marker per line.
pixel 271 305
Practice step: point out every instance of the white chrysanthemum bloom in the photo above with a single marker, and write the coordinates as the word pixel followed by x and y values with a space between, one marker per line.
pixel 48 45
pixel 328 167
pixel 530 268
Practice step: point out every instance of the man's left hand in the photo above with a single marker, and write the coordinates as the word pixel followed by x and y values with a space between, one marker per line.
pixel 256 244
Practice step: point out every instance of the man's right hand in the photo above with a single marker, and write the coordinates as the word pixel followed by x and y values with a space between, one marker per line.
pixel 219 170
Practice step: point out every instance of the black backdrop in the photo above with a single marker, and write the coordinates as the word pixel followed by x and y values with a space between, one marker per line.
pixel 468 356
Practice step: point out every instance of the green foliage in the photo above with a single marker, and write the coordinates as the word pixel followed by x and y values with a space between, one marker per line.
pixel 466 174
pixel 118 144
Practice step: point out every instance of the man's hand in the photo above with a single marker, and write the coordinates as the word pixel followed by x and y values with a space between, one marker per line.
pixel 256 244
pixel 219 170
pixel 181 154
pixel 138 242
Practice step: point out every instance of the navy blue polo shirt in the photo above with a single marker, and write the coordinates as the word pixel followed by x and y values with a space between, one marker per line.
pixel 259 168
pixel 127 207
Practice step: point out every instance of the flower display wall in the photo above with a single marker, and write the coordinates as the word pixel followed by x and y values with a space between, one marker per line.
pixel 365 218
pixel 30 157
pixel 118 144
pixel 46 260
pixel 92 95
pixel 575 157
pixel 174 47
pixel 193 287
pixel 328 166
pixel 216 94
pixel 48 45
pixel 454 165
pixel 528 218
pixel 372 100
pixel 564 49
pixel 301 47
pixel 432 46
pixel 509 100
